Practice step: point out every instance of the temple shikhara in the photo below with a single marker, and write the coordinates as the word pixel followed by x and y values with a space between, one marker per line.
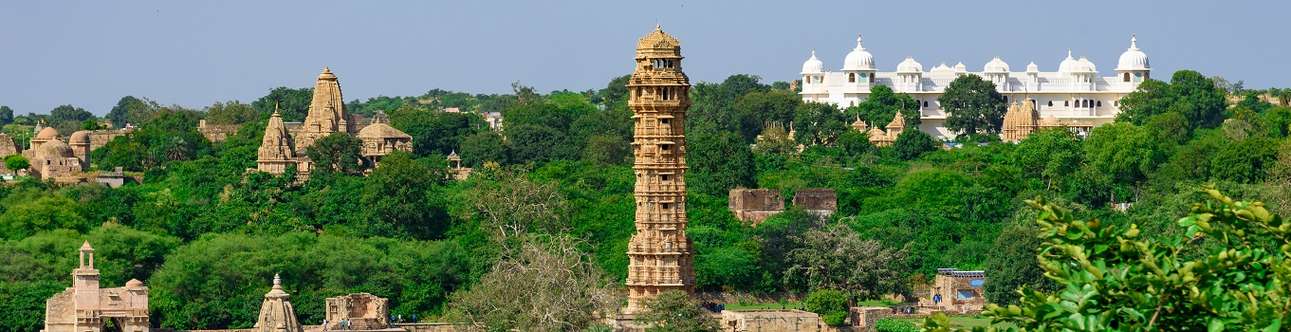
pixel 1075 96
pixel 284 143
pixel 659 253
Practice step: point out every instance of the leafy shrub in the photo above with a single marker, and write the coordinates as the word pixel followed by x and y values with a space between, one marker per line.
pixel 830 304
pixel 894 325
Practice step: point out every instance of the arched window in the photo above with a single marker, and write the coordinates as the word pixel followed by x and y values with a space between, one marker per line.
pixel 1100 103
pixel 1127 77
pixel 925 103
pixel 1066 103
pixel 1050 103
pixel 851 77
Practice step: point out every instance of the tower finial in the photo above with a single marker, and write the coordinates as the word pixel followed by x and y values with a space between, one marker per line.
pixel 658 27
pixel 277 281
pixel 1069 53
pixel 1134 41
pixel 858 42
pixel 275 108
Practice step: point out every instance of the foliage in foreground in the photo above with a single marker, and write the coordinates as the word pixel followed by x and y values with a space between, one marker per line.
pixel 1112 278
pixel 675 311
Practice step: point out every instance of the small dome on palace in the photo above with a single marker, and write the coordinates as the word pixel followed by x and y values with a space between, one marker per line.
pixel 941 68
pixel 813 65
pixel 1032 67
pixel 996 65
pixel 960 67
pixel 909 66
pixel 1133 58
pixel 1087 66
pixel 54 149
pixel 858 58
pixel 134 283
pixel 80 137
pixel 47 134
pixel 1068 65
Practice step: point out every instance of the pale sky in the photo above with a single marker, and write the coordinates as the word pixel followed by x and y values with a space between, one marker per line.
pixel 194 53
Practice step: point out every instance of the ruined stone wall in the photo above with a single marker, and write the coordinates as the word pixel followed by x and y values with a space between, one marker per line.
pixel 820 201
pixel 754 205
pixel 216 132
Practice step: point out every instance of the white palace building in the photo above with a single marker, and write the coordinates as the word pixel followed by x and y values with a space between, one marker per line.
pixel 1075 96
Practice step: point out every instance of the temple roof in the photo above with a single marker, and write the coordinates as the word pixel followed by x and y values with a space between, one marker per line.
pixel 47 134
pixel 382 130
pixel 658 39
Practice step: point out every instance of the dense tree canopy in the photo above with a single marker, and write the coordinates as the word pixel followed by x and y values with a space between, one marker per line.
pixel 973 106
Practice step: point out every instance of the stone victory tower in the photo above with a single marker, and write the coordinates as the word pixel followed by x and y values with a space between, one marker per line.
pixel 659 253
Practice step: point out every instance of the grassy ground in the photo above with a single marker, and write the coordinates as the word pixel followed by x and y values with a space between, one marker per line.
pixel 959 321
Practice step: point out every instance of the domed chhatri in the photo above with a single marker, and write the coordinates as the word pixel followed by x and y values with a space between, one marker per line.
pixel 813 65
pixel 1076 94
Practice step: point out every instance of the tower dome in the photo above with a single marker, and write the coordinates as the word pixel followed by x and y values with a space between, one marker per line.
pixel 909 65
pixel 47 134
pixel 80 137
pixel 1133 58
pixel 996 65
pixel 1032 67
pixel 1068 65
pixel 859 58
pixel 813 65
pixel 54 149
pixel 960 67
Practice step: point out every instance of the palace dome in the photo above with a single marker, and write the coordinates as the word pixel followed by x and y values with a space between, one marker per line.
pixel 1087 66
pixel 54 149
pixel 1133 58
pixel 1068 65
pixel 909 65
pixel 858 58
pixel 813 65
pixel 80 137
pixel 960 67
pixel 996 65
pixel 47 134
pixel 1032 67
pixel 941 68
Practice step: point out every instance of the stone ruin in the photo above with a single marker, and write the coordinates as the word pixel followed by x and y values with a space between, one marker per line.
pixel 755 205
pixel 361 311
pixel 955 291
pixel 85 307
pixel 819 201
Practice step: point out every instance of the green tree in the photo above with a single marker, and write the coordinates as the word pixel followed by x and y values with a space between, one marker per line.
pixel 881 106
pixel 837 258
pixel 170 135
pixel 6 115
pixel 68 118
pixel 674 311
pixel 1189 93
pixel 911 144
pixel 1012 263
pixel 757 108
pixel 231 112
pixel 830 304
pixel 973 105
pixel 16 162
pixel 1124 151
pixel 1112 276
pixel 131 110
pixel 293 104
pixel 26 215
pixel 402 192
pixel 542 287
pixel 336 153
pixel 894 325
pixel 819 124
pixel 1049 154
pixel 436 132
pixel 481 147
pixel 606 149
pixel 718 161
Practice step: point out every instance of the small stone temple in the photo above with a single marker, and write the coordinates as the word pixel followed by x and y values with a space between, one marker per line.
pixel 284 144
pixel 1020 121
pixel 85 307
pixel 276 312
pixel 879 137
pixel 55 159
pixel 659 253
pixel 754 205
pixel 955 291
pixel 455 169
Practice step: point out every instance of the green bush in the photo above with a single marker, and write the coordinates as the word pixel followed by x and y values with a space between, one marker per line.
pixel 894 325
pixel 830 304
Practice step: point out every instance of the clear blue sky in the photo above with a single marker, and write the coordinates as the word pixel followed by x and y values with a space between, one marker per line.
pixel 193 53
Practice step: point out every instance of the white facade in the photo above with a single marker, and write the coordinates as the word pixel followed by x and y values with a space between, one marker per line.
pixel 1074 96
